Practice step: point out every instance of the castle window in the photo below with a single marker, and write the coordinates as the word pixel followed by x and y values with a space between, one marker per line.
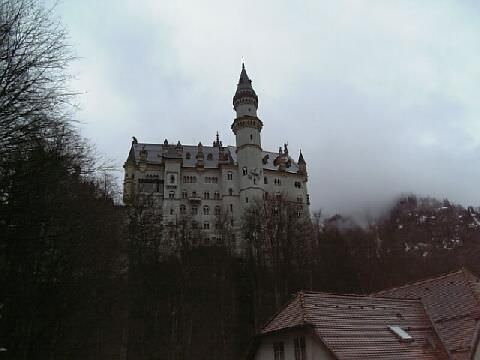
pixel 265 180
pixel 217 210
pixel 229 176
pixel 172 179
pixel 298 185
pixel 194 210
pixel 206 195
pixel 206 225
pixel 183 209
pixel 251 136
pixel 277 181
pixel 254 181
pixel 172 211
pixel 299 199
pixel 231 208
pixel 184 194
pixel 299 211
pixel 265 195
pixel 246 200
pixel 216 195
pixel 210 157
pixel 244 171
pixel 206 210
pixel 188 156
pixel 171 195
pixel 230 191
pixel 194 194
pixel 231 222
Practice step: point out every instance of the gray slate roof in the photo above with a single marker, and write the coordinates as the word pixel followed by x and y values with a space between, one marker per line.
pixel 155 153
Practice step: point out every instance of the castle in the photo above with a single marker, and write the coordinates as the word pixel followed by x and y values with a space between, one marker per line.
pixel 206 189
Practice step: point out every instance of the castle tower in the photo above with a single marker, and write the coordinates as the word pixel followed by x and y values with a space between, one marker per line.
pixel 247 127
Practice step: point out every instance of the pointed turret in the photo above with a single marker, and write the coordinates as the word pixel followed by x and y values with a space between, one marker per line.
pixel 302 165
pixel 217 142
pixel 245 100
pixel 247 128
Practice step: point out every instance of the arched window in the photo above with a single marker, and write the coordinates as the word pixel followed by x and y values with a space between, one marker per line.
pixel 188 156
pixel 244 170
pixel 206 210
pixel 217 210
pixel 206 195
pixel 183 209
pixel 210 156
pixel 216 195
pixel 229 176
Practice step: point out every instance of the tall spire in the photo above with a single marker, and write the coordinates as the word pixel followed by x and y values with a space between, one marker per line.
pixel 245 101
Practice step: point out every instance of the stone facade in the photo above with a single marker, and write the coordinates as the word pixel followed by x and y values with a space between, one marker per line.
pixel 211 186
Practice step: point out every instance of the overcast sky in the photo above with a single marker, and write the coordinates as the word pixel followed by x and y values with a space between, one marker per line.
pixel 381 96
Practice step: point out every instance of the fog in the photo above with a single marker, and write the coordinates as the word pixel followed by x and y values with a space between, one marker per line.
pixel 382 97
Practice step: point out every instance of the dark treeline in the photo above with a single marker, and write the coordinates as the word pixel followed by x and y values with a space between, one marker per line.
pixel 84 278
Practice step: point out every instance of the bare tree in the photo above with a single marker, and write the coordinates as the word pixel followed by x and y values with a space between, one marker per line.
pixel 34 56
pixel 279 234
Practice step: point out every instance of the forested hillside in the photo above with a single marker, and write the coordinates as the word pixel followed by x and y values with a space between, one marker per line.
pixel 206 303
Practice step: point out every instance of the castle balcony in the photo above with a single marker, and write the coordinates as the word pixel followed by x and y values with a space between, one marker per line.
pixel 195 199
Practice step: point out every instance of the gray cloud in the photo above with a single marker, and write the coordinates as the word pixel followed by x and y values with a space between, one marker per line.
pixel 380 96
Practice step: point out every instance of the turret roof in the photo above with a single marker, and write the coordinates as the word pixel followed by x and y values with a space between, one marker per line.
pixel 244 87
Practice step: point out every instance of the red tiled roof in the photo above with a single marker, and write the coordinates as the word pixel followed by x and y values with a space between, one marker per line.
pixel 452 303
pixel 356 327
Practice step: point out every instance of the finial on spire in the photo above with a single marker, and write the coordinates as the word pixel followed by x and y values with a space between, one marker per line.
pixel 217 142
